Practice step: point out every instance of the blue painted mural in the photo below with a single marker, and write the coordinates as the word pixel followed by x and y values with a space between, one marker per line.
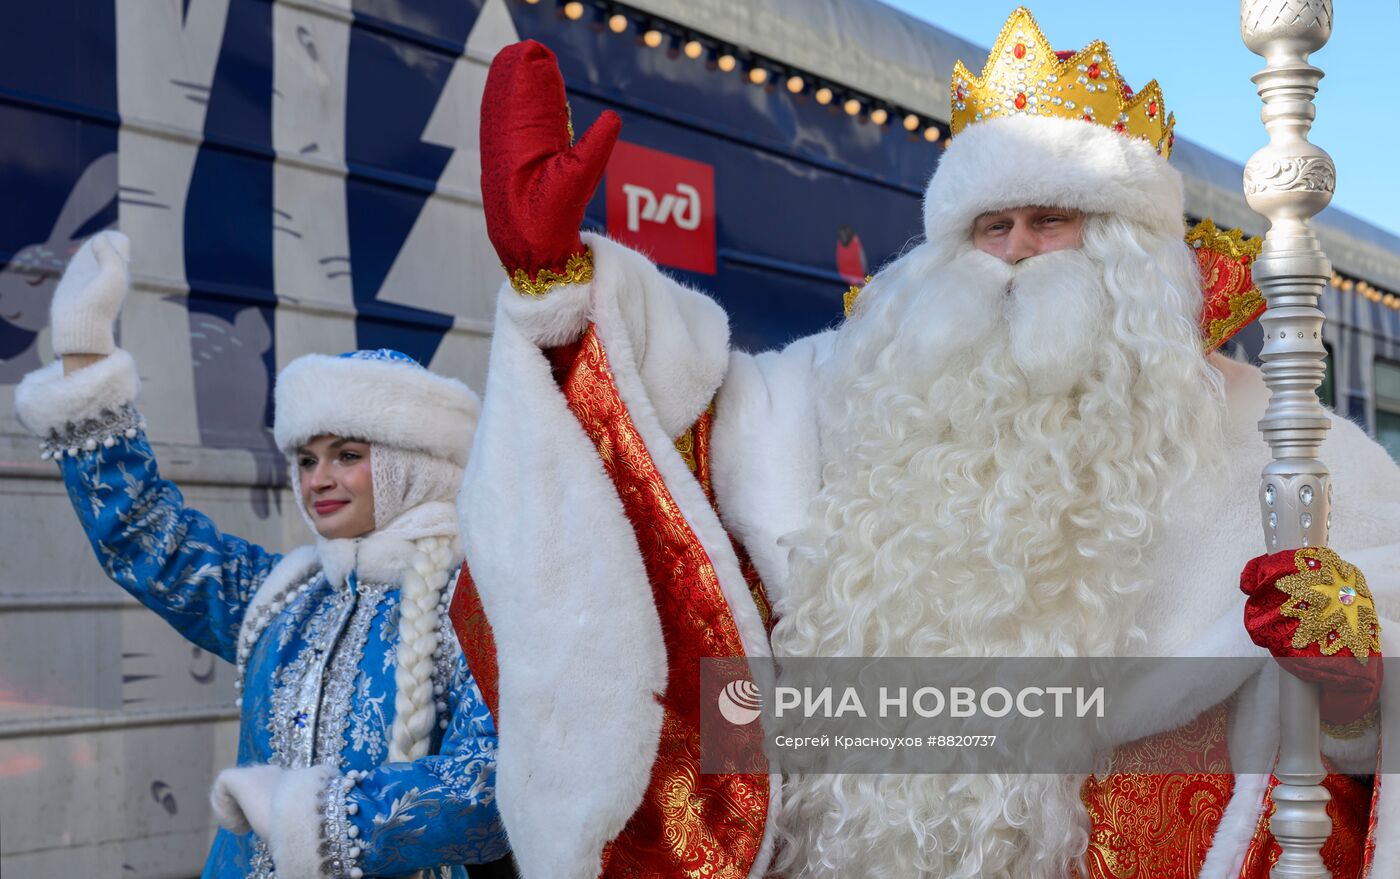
pixel 283 160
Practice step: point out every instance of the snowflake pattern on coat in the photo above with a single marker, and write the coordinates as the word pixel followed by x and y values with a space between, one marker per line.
pixel 319 686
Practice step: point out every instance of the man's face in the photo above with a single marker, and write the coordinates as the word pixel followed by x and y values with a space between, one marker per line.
pixel 1021 233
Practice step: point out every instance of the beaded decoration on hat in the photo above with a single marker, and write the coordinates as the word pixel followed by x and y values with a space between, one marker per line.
pixel 1024 76
pixel 388 355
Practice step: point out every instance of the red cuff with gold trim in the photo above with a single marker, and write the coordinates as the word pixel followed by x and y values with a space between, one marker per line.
pixel 1314 612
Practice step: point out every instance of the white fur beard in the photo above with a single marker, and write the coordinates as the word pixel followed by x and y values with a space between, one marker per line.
pixel 979 502
pixel 993 478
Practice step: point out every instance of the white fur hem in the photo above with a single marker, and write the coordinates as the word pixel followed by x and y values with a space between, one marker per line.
pixel 48 402
pixel 296 823
pixel 1021 161
pixel 377 401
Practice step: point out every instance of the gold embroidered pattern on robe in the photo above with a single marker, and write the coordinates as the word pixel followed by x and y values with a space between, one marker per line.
pixel 694 446
pixel 692 825
pixel 1150 825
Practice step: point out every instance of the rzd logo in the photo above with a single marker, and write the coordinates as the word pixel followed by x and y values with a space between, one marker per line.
pixel 681 207
pixel 663 205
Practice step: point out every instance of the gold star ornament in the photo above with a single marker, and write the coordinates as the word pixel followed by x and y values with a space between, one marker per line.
pixel 1332 604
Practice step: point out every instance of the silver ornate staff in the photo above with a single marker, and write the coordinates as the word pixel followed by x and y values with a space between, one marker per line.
pixel 1288 181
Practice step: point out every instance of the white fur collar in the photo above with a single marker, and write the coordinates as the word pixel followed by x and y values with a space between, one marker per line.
pixel 382 555
pixel 1246 396
pixel 379 557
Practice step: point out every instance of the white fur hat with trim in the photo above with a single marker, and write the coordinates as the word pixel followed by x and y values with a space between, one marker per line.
pixel 379 396
pixel 1037 161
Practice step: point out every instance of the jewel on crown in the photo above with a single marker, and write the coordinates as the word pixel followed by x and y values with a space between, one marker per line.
pixel 1024 76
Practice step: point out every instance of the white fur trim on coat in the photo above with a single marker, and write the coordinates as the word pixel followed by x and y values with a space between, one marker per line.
pixel 377 401
pixel 1212 527
pixel 1387 856
pixel 283 806
pixel 379 557
pixel 578 639
pixel 552 320
pixel 382 555
pixel 679 339
pixel 295 841
pixel 1236 828
pixel 242 798
pixel 293 569
pixel 1020 161
pixel 765 454
pixel 48 402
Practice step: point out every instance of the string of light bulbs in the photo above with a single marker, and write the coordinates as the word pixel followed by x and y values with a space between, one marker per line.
pixel 726 58
pixel 656 32
pixel 1365 290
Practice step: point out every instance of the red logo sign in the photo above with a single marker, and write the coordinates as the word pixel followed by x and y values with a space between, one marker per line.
pixel 663 205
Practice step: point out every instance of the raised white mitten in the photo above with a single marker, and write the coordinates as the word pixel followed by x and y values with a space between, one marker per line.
pixel 242 798
pixel 90 294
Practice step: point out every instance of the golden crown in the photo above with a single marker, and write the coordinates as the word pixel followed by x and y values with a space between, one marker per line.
pixel 1023 76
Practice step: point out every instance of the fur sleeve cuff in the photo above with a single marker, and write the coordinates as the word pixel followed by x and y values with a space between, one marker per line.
pixel 295 840
pixel 1352 747
pixel 57 406
pixel 556 318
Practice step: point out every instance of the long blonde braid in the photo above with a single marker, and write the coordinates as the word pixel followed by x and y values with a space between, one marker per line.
pixel 414 708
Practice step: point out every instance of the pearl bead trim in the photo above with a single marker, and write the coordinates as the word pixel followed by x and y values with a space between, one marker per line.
pixel 102 430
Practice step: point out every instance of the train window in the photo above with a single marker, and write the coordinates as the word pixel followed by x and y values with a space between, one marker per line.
pixel 1388 406
pixel 1327 391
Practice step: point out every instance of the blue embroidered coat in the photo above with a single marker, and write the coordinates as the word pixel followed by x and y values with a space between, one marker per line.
pixel 318 687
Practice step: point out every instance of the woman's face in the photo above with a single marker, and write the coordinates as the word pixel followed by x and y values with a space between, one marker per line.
pixel 337 488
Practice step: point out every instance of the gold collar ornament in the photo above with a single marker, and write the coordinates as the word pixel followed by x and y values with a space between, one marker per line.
pixel 1024 76
pixel 1232 299
pixel 848 299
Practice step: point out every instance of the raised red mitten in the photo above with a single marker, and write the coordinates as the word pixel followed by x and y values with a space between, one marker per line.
pixel 1314 613
pixel 535 186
